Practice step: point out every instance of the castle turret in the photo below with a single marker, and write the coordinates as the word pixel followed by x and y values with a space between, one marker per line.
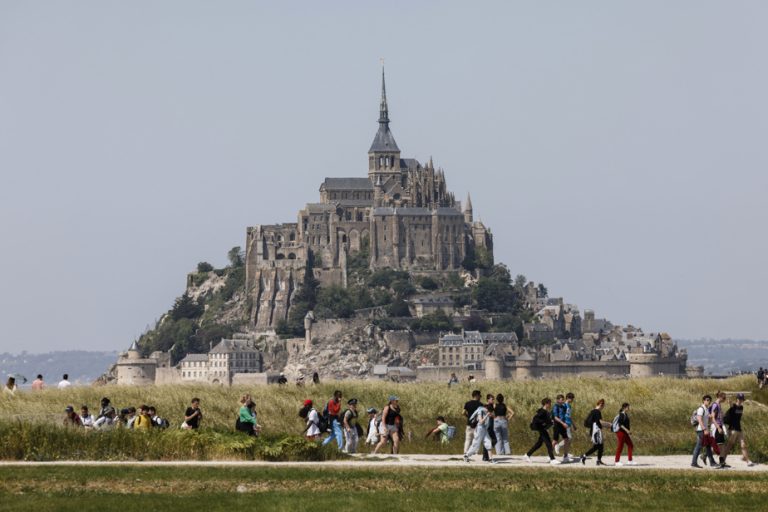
pixel 133 351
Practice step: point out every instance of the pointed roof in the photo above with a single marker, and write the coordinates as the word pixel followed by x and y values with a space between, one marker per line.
pixel 468 207
pixel 384 140
pixel 134 346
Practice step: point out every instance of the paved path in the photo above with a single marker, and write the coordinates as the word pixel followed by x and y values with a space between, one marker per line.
pixel 666 462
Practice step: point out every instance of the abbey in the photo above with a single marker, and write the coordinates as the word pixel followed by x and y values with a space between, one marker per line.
pixel 401 215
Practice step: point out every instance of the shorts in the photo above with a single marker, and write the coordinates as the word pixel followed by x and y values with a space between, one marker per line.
pixel 719 437
pixel 559 431
pixel 386 430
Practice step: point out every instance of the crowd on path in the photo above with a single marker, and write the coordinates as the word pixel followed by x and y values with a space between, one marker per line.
pixel 487 425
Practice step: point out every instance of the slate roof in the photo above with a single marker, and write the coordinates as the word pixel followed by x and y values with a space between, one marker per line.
pixel 383 140
pixel 193 358
pixel 347 184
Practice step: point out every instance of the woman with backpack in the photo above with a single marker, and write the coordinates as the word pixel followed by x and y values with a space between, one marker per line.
pixel 594 422
pixel 349 424
pixel 620 425
pixel 309 413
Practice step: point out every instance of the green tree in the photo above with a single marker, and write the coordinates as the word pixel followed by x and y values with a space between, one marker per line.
pixel 236 257
pixel 433 322
pixel 428 283
pixel 334 302
pixel 398 308
pixel 403 288
pixel 543 292
pixel 204 266
pixel 186 307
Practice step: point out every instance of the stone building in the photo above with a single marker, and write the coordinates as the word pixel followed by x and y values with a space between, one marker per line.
pixel 133 369
pixel 222 363
pixel 468 349
pixel 401 214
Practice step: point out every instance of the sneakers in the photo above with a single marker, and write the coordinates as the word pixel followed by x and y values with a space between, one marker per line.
pixel 466 458
pixel 566 459
pixel 600 463
pixel 696 465
pixel 631 463
pixel 723 465
pixel 554 462
pixel 492 461
pixel 750 463
pixel 583 459
pixel 526 458
pixel 618 464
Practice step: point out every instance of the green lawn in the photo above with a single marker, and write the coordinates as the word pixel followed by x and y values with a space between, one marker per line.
pixel 128 488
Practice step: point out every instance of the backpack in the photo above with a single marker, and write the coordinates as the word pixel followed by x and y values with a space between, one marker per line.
pixel 588 421
pixel 695 417
pixel 474 420
pixel 450 432
pixel 615 427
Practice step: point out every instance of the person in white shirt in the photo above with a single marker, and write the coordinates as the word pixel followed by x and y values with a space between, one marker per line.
pixel 107 420
pixel 313 420
pixel 64 384
pixel 702 426
pixel 373 427
pixel 86 418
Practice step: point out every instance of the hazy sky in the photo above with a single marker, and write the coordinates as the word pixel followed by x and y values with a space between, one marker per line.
pixel 616 149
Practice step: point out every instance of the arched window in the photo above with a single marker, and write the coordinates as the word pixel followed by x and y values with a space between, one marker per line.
pixel 281 256
pixel 293 237
pixel 291 256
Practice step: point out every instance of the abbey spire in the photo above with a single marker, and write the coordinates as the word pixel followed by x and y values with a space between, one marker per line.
pixel 384 155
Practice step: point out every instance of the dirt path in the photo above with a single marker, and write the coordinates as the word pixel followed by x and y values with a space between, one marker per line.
pixel 665 462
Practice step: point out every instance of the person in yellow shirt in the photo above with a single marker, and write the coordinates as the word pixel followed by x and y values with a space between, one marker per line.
pixel 143 421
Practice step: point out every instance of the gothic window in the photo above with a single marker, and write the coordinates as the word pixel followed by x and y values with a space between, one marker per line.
pixel 293 237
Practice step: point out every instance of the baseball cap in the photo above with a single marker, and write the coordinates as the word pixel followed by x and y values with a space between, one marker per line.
pixel 740 396
pixel 352 401
pixel 307 402
pixel 372 410
pixel 69 408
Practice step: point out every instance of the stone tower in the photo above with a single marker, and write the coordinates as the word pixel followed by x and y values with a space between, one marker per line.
pixel 468 211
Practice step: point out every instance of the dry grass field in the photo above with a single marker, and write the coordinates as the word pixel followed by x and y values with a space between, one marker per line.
pixel 30 422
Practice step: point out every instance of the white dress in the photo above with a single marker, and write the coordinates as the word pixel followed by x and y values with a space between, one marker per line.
pixel 312 420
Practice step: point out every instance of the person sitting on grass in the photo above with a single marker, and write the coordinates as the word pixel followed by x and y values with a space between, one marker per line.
pixel 86 418
pixel 246 421
pixel 10 387
pixel 107 421
pixel 71 418
pixel 440 431
pixel 193 415
pixel 143 422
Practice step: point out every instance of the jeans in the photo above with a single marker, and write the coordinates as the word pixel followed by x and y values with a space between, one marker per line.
pixel 699 444
pixel 501 428
pixel 335 434
pixel 481 436
pixel 352 439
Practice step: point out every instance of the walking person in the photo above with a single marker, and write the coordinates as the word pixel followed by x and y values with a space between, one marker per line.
pixel 622 436
pixel 352 429
pixel 567 417
pixel 38 384
pixel 717 428
pixel 482 416
pixel 374 420
pixel 760 377
pixel 390 428
pixel 469 409
pixel 64 383
pixel 501 416
pixel 334 419
pixel 489 403
pixel 735 434
pixel 594 422
pixel 309 413
pixel 559 426
pixel 541 423
pixel 701 417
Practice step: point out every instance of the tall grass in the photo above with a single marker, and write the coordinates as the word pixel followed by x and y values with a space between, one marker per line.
pixel 29 422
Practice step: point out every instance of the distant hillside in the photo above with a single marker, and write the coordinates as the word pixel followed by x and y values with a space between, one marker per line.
pixel 723 357
pixel 83 367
